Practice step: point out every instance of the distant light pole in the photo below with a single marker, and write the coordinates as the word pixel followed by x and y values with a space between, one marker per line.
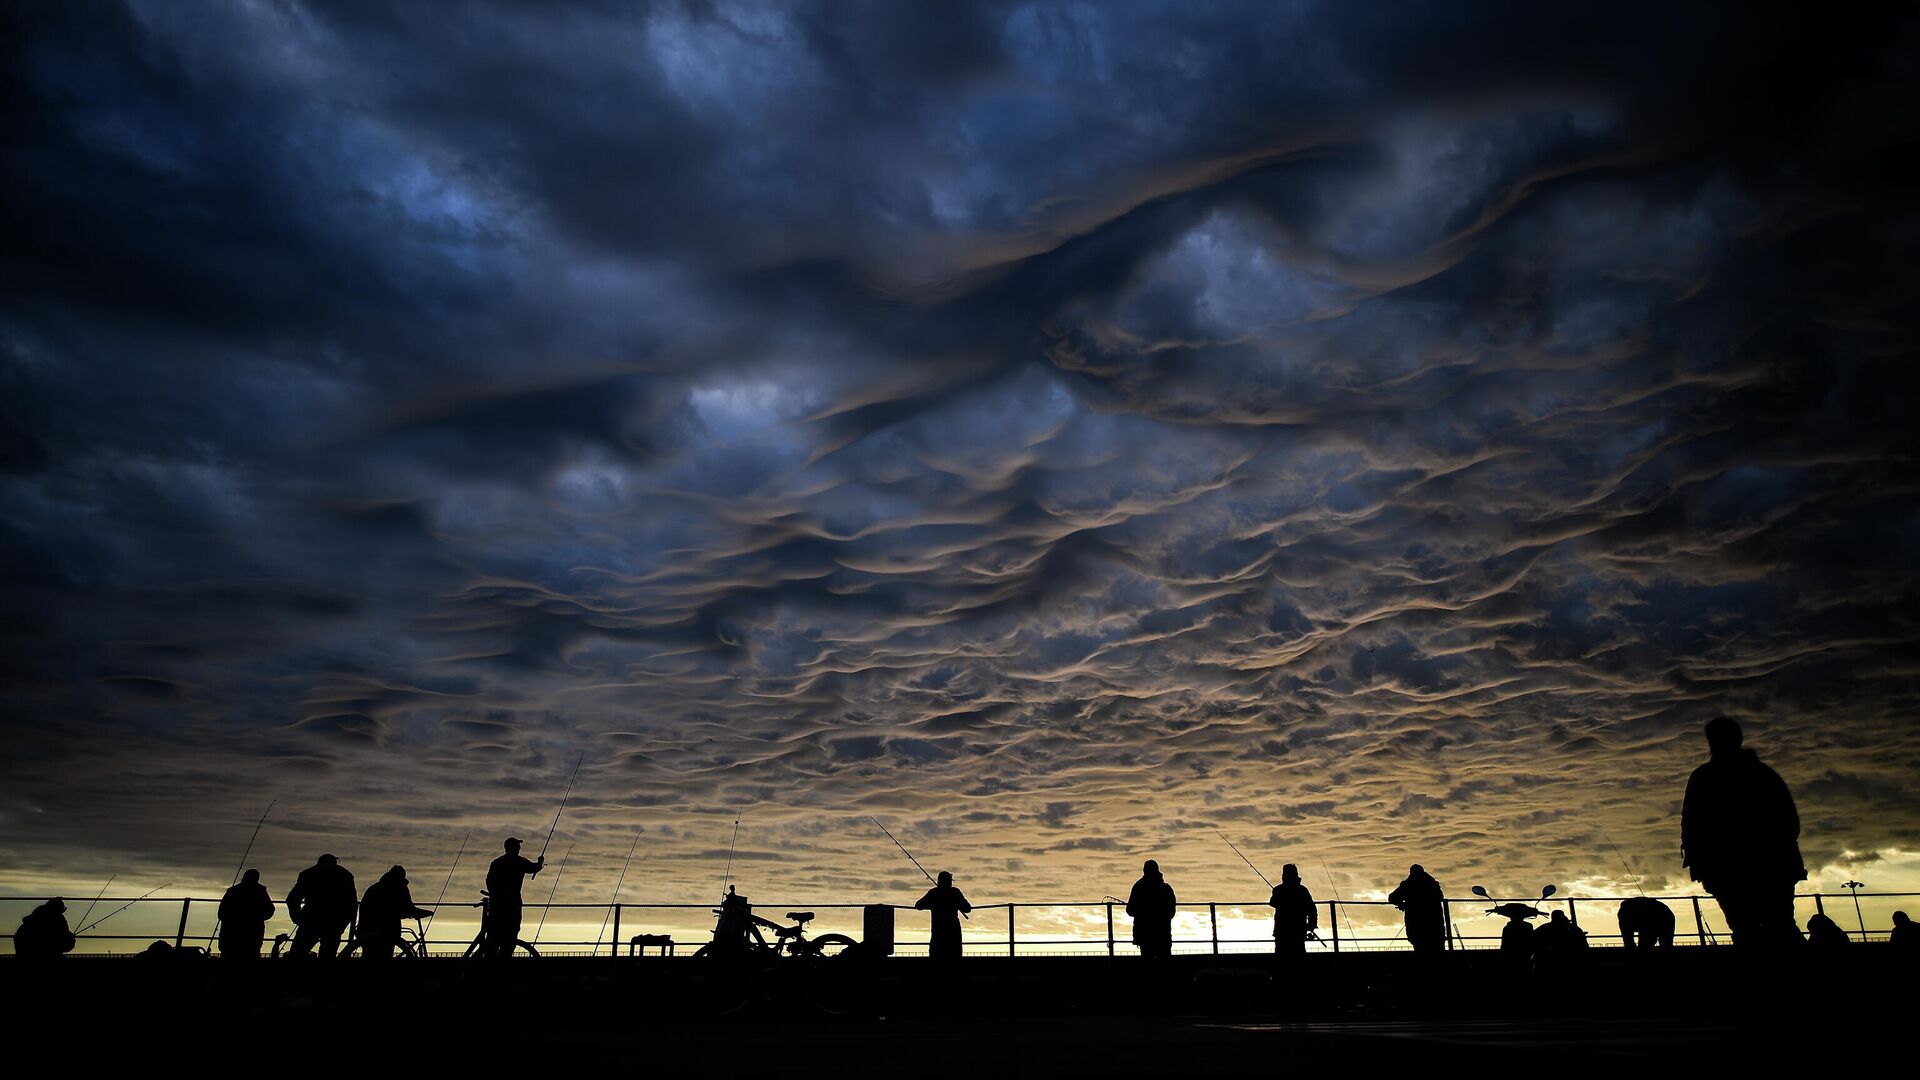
pixel 1855 887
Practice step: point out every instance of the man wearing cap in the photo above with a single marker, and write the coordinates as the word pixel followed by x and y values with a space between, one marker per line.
pixel 504 877
pixel 321 904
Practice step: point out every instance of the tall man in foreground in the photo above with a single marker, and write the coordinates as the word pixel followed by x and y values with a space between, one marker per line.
pixel 1740 838
pixel 504 876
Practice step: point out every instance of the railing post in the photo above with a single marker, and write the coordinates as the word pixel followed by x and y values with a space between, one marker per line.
pixel 180 935
pixel 1009 929
pixel 1573 915
pixel 615 951
pixel 1446 912
pixel 1213 916
pixel 1699 922
pixel 1333 921
pixel 1109 930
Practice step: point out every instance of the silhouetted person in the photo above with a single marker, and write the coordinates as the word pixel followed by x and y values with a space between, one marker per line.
pixel 1906 936
pixel 1150 905
pixel 504 876
pixel 387 904
pixel 1419 896
pixel 1824 933
pixel 1559 945
pixel 1294 916
pixel 1740 837
pixel 1645 923
pixel 321 906
pixel 44 933
pixel 244 912
pixel 947 905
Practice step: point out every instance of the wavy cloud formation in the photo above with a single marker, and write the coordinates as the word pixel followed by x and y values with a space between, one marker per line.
pixel 1060 431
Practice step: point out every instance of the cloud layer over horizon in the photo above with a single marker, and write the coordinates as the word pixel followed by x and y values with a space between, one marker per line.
pixel 1059 430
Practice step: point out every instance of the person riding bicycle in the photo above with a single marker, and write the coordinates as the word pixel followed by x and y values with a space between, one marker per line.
pixel 504 876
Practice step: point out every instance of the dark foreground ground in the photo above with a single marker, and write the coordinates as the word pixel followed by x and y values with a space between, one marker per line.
pixel 1695 1008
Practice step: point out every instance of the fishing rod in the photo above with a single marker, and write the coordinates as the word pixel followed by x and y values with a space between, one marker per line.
pixel 1339 901
pixel 1624 865
pixel 96 898
pixel 563 805
pixel 242 868
pixel 551 894
pixel 118 910
pixel 615 902
pixel 909 855
pixel 1243 858
pixel 451 869
pixel 726 876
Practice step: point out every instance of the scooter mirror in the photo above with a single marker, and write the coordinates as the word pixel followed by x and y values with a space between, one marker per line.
pixel 1478 891
pixel 1548 891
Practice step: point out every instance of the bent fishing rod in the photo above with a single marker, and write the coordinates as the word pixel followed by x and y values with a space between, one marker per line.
pixel 96 898
pixel 563 805
pixel 1243 858
pixel 910 858
pixel 242 868
pixel 1340 901
pixel 451 869
pixel 118 910
pixel 555 891
pixel 615 902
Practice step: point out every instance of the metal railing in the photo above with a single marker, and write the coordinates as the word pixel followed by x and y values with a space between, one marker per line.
pixel 1057 928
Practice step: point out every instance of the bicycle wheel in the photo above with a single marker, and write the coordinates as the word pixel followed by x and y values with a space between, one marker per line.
pixel 832 945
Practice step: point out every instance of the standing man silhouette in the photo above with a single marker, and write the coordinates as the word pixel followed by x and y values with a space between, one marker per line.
pixel 1419 896
pixel 321 904
pixel 1150 905
pixel 1294 916
pixel 244 912
pixel 1740 839
pixel 947 904
pixel 504 876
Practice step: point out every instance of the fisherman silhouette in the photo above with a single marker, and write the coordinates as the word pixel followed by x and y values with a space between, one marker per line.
pixel 504 877
pixel 947 904
pixel 1645 923
pixel 1905 937
pixel 1739 836
pixel 1824 933
pixel 1420 897
pixel 244 912
pixel 321 905
pixel 44 933
pixel 1294 916
pixel 1150 905
pixel 387 903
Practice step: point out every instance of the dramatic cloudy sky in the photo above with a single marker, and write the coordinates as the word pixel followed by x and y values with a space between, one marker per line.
pixel 1058 429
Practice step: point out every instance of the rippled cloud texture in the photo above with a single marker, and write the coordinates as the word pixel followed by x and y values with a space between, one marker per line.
pixel 1059 430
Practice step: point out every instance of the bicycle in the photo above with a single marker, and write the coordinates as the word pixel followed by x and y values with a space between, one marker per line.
pixel 744 968
pixel 412 942
pixel 737 934
pixel 481 945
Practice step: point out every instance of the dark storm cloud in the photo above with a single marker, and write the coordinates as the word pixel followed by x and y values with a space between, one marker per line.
pixel 1056 428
